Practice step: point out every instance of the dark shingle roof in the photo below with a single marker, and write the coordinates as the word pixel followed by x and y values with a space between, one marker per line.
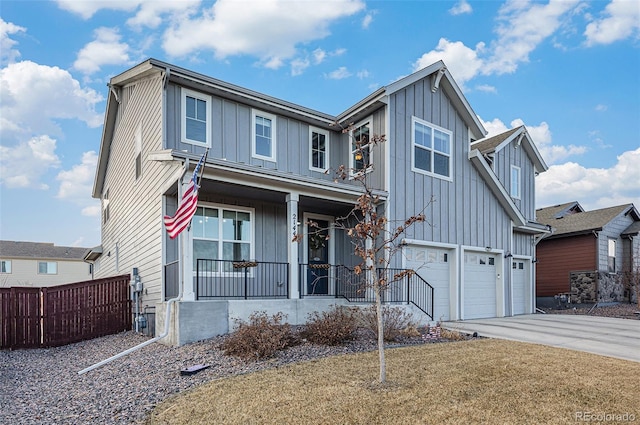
pixel 38 250
pixel 634 229
pixel 579 222
pixel 490 144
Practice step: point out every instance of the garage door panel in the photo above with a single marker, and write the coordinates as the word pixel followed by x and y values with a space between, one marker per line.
pixel 519 279
pixel 432 265
pixel 479 286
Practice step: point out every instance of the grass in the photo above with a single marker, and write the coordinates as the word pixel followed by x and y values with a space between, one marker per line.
pixel 480 381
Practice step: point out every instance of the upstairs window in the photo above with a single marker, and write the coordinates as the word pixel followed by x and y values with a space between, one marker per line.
pixel 361 148
pixel 5 266
pixel 105 206
pixel 47 267
pixel 611 256
pixel 431 153
pixel 263 128
pixel 138 164
pixel 515 182
pixel 318 149
pixel 196 118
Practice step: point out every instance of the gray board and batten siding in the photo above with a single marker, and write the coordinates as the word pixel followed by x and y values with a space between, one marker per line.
pixel 231 138
pixel 458 204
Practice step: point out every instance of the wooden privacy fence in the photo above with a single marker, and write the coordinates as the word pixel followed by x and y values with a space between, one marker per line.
pixel 59 315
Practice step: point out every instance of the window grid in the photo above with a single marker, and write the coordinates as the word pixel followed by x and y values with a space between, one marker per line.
pixel 361 148
pixel 431 149
pixel 264 136
pixel 515 182
pixel 196 127
pixel 318 150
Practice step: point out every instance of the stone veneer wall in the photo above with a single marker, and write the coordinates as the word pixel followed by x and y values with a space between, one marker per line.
pixel 593 286
pixel 610 288
pixel 584 286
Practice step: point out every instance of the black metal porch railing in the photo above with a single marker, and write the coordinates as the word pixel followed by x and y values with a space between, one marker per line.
pixel 403 287
pixel 241 279
pixel 318 279
pixel 171 280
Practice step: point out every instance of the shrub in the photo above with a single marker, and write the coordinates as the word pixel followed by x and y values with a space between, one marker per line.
pixel 397 322
pixel 259 338
pixel 332 327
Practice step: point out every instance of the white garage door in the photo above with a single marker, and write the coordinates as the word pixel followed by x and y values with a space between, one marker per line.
pixel 479 285
pixel 519 276
pixel 432 264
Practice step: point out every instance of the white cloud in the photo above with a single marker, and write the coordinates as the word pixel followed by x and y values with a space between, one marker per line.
pixel 269 29
pixel 150 13
pixel 339 73
pixel 621 19
pixel 486 88
pixel 601 108
pixel 7 53
pixel 76 185
pixel 541 136
pixel 461 61
pixel 319 56
pixel 35 96
pixel 22 166
pixel 460 8
pixel 299 65
pixel 593 187
pixel 522 27
pixel 366 21
pixel 106 49
pixel 362 74
pixel 86 9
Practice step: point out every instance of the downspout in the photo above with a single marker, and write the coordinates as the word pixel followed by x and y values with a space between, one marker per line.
pixel 167 314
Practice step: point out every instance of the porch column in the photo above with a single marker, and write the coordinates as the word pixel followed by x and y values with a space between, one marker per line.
pixel 292 245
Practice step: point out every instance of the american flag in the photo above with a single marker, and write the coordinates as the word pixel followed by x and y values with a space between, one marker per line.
pixel 188 205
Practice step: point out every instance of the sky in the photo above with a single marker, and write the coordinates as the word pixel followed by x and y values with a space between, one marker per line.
pixel 569 70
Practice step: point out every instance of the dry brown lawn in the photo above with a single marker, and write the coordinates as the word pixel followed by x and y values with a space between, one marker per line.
pixel 480 381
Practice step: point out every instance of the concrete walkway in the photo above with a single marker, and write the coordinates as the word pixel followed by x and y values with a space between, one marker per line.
pixel 619 338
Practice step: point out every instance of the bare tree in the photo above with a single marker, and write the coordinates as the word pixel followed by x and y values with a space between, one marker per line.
pixel 374 238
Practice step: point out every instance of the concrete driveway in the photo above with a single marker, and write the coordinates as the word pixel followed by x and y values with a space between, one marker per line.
pixel 606 336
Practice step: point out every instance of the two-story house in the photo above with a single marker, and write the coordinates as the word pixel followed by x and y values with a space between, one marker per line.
pixel 269 174
pixel 41 264
pixel 591 256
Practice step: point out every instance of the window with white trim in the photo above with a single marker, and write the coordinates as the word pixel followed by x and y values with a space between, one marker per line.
pixel 515 183
pixel 318 149
pixel 138 160
pixel 431 152
pixel 196 118
pixel 5 266
pixel 47 267
pixel 222 233
pixel 611 256
pixel 263 134
pixel 105 206
pixel 361 148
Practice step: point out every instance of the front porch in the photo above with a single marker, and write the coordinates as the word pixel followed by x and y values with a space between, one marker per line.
pixel 226 291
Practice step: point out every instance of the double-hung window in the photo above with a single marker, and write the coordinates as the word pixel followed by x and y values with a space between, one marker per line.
pixel 515 183
pixel 431 152
pixel 5 266
pixel 263 135
pixel 318 149
pixel 47 267
pixel 222 233
pixel 361 148
pixel 611 256
pixel 196 118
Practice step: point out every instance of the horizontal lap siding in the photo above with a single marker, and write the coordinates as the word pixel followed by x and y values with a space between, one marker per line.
pixel 136 210
pixel 558 257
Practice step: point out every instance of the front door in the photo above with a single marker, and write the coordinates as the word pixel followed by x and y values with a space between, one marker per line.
pixel 318 255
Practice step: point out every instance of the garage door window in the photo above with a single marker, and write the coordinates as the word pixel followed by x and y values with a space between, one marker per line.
pixel 480 259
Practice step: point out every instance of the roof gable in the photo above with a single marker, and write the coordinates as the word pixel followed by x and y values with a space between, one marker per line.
pixel 520 136
pixel 566 223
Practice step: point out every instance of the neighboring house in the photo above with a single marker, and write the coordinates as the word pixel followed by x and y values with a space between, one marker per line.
pixel 269 172
pixel 41 264
pixel 587 253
